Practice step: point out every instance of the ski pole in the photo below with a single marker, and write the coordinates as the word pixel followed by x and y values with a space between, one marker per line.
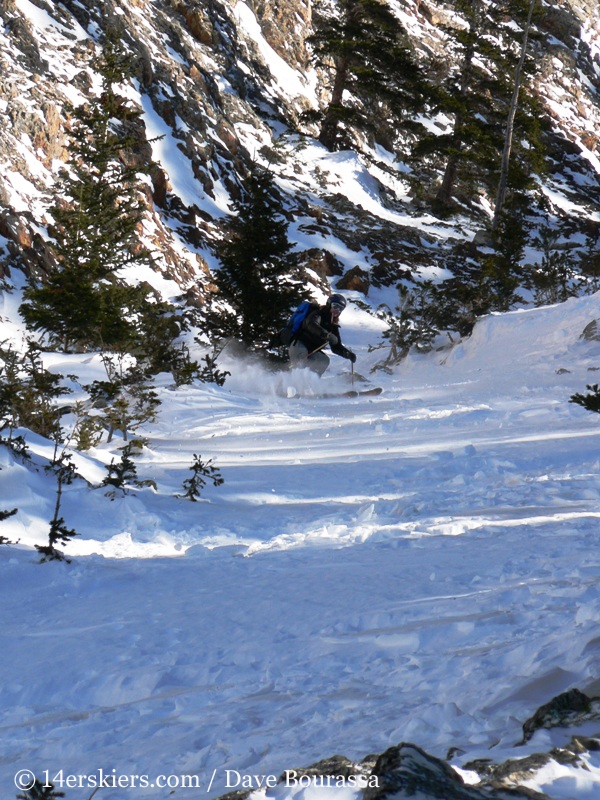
pixel 316 350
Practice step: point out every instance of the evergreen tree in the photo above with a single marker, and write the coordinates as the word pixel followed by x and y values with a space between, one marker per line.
pixel 5 514
pixel 464 297
pixel 477 94
pixel 412 325
pixel 210 373
pixel 510 121
pixel 127 399
pixel 590 401
pixel 40 791
pixel 122 474
pixel 97 214
pixel 375 79
pixel 589 265
pixel 63 469
pixel 502 268
pixel 28 393
pixel 202 472
pixel 256 283
pixel 553 277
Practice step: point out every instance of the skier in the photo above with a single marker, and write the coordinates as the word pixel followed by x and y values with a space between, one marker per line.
pixel 320 328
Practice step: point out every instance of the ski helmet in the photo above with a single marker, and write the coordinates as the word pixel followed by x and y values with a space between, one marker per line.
pixel 337 301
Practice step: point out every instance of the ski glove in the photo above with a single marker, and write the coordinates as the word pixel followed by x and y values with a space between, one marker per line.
pixel 333 339
pixel 352 356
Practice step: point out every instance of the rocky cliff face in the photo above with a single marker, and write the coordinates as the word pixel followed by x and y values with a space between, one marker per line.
pixel 225 82
pixel 569 86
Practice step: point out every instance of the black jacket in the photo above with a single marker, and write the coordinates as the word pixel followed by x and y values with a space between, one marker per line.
pixel 315 330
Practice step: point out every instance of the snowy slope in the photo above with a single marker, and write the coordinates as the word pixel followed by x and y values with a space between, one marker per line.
pixel 417 567
pixel 421 566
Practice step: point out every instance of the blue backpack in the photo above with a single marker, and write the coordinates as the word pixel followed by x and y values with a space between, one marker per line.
pixel 288 334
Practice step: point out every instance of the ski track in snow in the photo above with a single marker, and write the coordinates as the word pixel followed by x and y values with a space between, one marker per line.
pixel 421 566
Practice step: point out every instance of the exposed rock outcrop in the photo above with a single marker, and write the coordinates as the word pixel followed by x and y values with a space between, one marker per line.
pixel 406 770
pixel 567 709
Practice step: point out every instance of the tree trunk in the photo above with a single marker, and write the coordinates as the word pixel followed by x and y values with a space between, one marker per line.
pixel 510 124
pixel 329 126
pixel 444 194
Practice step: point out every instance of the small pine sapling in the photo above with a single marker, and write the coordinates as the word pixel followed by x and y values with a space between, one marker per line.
pixel 202 472
pixel 182 367
pixel 185 370
pixel 126 399
pixel 501 269
pixel 58 534
pixel 17 445
pixel 121 474
pixel 413 324
pixel 589 265
pixel 553 277
pixel 28 392
pixel 5 515
pixel 65 472
pixel 88 429
pixel 40 791
pixel 210 373
pixel 591 401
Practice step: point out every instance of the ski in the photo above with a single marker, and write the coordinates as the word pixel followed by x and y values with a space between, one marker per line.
pixel 350 393
pixel 359 392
